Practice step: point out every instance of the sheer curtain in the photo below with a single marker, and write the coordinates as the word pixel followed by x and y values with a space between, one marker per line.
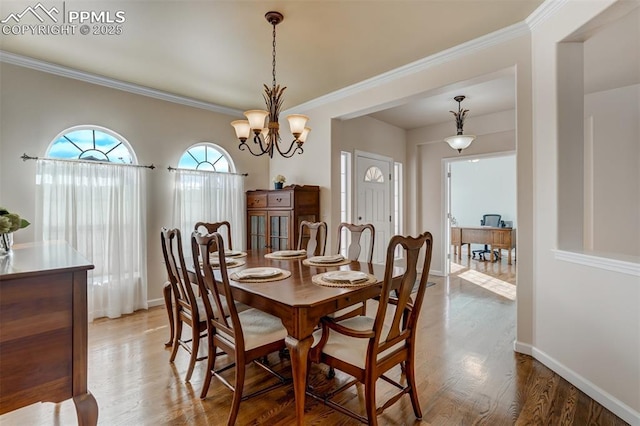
pixel 99 209
pixel 202 196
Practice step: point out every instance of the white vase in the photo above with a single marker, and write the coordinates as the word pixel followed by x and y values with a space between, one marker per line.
pixel 6 242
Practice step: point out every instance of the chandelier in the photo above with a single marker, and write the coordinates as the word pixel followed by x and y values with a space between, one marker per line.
pixel 459 141
pixel 267 139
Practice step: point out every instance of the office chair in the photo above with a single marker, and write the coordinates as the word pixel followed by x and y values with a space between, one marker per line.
pixel 488 220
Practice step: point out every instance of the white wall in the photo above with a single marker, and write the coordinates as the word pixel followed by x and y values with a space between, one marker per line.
pixel 586 317
pixel 36 106
pixel 482 186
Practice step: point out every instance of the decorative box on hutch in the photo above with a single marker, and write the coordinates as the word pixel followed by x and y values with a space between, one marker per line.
pixel 274 216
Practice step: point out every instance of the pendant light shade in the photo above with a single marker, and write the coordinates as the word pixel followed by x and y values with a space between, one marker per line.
pixel 460 141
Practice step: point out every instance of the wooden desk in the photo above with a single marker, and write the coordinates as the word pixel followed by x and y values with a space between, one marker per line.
pixel 300 304
pixel 495 238
pixel 43 329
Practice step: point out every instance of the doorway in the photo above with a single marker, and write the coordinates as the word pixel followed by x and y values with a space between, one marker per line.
pixel 474 186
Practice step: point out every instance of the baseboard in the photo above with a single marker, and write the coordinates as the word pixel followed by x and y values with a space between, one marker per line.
pixel 155 302
pixel 607 400
pixel 523 348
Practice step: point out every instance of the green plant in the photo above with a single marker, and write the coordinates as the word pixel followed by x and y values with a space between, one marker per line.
pixel 11 222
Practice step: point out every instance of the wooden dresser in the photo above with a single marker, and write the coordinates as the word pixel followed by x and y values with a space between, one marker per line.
pixel 274 216
pixel 43 328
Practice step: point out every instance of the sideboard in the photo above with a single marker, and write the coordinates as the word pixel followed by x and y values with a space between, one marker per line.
pixel 43 328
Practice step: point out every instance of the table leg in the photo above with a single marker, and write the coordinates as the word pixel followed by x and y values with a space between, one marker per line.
pixel 86 409
pixel 299 351
pixel 509 256
pixel 166 291
pixel 493 257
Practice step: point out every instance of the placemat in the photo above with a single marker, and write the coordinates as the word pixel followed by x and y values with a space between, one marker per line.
pixel 309 262
pixel 276 256
pixel 319 279
pixel 283 274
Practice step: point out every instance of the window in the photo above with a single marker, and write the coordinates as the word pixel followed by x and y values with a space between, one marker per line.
pixel 91 143
pixel 97 205
pixel 207 189
pixel 345 197
pixel 397 203
pixel 374 174
pixel 206 156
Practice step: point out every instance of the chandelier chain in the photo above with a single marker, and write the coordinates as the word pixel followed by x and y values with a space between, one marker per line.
pixel 274 56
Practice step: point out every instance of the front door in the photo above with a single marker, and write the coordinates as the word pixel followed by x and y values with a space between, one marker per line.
pixel 373 201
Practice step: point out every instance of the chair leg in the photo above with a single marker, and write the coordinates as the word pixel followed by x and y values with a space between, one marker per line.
pixel 413 393
pixel 211 365
pixel 195 346
pixel 237 394
pixel 176 339
pixel 370 400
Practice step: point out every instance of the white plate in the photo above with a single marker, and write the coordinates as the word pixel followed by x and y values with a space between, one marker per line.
pixel 285 253
pixel 334 258
pixel 258 272
pixel 216 261
pixel 341 276
pixel 229 253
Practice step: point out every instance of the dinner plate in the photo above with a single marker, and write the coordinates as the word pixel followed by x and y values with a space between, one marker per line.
pixel 286 253
pixel 334 258
pixel 346 276
pixel 258 273
pixel 215 261
pixel 229 253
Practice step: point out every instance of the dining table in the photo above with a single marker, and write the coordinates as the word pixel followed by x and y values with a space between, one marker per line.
pixel 299 302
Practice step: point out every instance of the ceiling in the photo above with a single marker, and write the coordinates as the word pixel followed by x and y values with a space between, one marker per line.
pixel 220 51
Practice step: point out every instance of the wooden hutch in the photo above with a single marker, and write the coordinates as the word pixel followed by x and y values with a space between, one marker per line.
pixel 274 216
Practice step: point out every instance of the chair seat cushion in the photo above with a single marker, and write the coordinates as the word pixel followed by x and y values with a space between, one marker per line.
pixel 352 349
pixel 259 328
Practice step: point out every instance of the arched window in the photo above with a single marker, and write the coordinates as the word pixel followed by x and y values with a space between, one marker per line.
pixel 92 194
pixel 206 156
pixel 374 174
pixel 208 189
pixel 92 143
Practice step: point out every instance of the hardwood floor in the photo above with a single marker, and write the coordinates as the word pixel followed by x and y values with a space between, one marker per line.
pixel 468 373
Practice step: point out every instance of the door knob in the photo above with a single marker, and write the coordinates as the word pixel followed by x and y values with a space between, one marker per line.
pixel 359 217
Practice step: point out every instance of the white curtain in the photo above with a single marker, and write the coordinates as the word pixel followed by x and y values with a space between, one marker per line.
pixel 202 196
pixel 99 209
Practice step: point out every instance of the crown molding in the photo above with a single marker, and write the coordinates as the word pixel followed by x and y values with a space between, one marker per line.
pixel 24 61
pixel 543 12
pixel 456 52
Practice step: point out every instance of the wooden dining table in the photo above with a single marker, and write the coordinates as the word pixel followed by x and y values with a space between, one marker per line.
pixel 299 303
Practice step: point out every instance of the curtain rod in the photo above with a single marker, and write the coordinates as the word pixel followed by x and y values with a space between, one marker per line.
pixel 172 169
pixel 26 157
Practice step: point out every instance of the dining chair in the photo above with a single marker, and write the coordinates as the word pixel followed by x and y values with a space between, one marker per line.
pixel 354 235
pixel 316 235
pixel 367 348
pixel 211 227
pixel 187 306
pixel 247 336
pixel 354 248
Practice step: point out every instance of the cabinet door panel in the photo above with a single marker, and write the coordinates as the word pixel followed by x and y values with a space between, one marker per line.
pixel 279 230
